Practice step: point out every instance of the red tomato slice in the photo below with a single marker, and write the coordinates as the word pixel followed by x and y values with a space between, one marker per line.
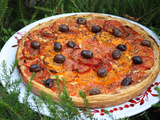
pixel 41 75
pixel 64 38
pixel 95 21
pixel 76 54
pixel 108 47
pixel 69 64
pixel 28 62
pixel 47 32
pixel 97 52
pixel 135 46
pixel 108 57
pixel 109 25
pixel 83 60
pixel 94 62
pixel 81 68
pixel 138 75
pixel 145 52
pixel 30 52
pixel 139 50
pixel 94 46
pixel 36 36
pixel 138 67
pixel 67 52
pixel 89 43
pixel 77 28
pixel 96 68
pixel 147 61
pixel 130 34
pixel 91 62
pixel 106 65
pixel 57 23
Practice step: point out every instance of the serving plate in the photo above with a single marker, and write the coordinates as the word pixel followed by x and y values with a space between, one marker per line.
pixel 133 107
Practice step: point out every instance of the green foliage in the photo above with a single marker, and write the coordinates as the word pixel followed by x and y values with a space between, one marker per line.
pixel 66 102
pixel 86 111
pixel 10 106
pixel 63 109
pixel 3 8
pixel 14 14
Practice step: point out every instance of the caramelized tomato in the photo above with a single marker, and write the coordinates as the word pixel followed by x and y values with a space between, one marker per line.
pixel 95 22
pixel 29 52
pixel 109 25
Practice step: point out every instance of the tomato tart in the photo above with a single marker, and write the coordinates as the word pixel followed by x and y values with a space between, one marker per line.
pixel 110 59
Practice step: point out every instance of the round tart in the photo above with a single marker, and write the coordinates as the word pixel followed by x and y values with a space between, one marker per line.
pixel 110 59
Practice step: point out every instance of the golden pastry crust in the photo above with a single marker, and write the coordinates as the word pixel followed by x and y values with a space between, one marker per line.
pixel 117 96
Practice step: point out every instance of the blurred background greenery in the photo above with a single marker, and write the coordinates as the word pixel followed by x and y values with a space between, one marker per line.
pixel 15 14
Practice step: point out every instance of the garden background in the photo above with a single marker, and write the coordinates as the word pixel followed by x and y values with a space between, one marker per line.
pixel 16 14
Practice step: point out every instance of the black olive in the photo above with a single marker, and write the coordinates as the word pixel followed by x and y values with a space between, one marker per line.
pixel 57 46
pixel 128 34
pixel 122 47
pixel 53 71
pixel 126 81
pixel 94 91
pixel 116 32
pixel 35 68
pixel 59 58
pixel 102 72
pixel 71 44
pixel 96 28
pixel 63 28
pixel 116 54
pixel 87 54
pixel 48 83
pixel 81 21
pixel 35 44
pixel 146 43
pixel 137 60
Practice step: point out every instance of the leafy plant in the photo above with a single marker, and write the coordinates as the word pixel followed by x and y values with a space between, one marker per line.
pixel 64 109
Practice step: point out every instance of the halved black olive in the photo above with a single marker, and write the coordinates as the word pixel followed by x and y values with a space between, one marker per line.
pixel 35 44
pixel 63 28
pixel 146 43
pixel 96 28
pixel 126 81
pixel 116 54
pixel 59 58
pixel 122 47
pixel 117 32
pixel 57 46
pixel 35 68
pixel 94 91
pixel 81 21
pixel 87 54
pixel 48 83
pixel 137 60
pixel 71 44
pixel 102 72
